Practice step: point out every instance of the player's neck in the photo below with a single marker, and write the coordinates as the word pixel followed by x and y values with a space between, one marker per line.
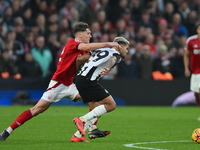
pixel 199 36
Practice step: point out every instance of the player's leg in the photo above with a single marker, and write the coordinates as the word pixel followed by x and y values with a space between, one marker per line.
pixel 108 104
pixel 197 98
pixel 40 107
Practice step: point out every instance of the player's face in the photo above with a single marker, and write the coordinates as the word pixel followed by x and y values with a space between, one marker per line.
pixel 124 50
pixel 85 36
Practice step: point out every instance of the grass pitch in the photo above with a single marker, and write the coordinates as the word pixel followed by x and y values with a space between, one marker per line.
pixel 155 128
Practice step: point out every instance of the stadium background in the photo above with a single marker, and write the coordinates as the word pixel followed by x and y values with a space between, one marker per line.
pixel 128 90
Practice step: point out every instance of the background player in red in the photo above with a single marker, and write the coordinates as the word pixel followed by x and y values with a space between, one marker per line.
pixel 61 84
pixel 192 57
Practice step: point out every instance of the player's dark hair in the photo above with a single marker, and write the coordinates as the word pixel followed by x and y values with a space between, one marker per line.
pixel 198 25
pixel 80 27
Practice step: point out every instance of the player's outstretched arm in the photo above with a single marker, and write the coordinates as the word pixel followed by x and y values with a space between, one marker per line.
pixel 94 46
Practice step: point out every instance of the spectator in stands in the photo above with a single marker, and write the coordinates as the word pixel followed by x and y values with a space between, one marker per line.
pixel 52 7
pixel 95 31
pixel 74 19
pixel 162 28
pixel 145 63
pixel 120 26
pixel 90 12
pixel 19 29
pixel 53 18
pixel 140 34
pixel 116 11
pixel 145 21
pixel 112 34
pixel 15 47
pixel 129 32
pixel 29 41
pixel 30 68
pixel 52 28
pixel 66 11
pixel 126 15
pixel 42 55
pixel 184 10
pixel 191 23
pixel 64 27
pixel 54 45
pixel 8 67
pixel 138 50
pixel 8 17
pixel 162 63
pixel 27 18
pixel 35 30
pixel 128 68
pixel 79 5
pixel 149 40
pixel 42 8
pixel 101 18
pixel 3 5
pixel 16 8
pixel 177 65
pixel 135 7
pixel 169 12
pixel 178 27
pixel 41 23
pixel 107 27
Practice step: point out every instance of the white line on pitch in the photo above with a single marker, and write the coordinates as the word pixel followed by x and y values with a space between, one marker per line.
pixel 133 144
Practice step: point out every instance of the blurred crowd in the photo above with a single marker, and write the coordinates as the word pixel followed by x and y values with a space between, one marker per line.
pixel 34 32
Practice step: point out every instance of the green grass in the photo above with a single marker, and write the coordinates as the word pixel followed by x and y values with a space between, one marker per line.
pixel 53 129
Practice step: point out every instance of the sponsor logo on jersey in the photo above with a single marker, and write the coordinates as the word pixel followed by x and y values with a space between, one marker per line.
pixel 196 51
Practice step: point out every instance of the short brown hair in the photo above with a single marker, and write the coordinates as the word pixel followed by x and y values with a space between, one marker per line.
pixel 80 27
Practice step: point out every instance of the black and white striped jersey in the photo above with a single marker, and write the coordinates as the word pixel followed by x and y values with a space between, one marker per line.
pixel 97 62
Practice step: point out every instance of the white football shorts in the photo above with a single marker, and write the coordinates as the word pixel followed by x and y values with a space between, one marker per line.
pixel 195 83
pixel 56 91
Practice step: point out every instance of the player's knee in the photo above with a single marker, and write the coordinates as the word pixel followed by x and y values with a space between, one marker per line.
pixel 112 106
pixel 36 111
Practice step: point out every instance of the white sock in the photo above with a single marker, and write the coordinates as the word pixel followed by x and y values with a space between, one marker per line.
pixel 95 113
pixel 93 127
pixel 9 130
pixel 88 124
pixel 78 134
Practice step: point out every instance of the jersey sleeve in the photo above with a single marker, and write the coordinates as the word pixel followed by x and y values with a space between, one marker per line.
pixel 118 57
pixel 73 44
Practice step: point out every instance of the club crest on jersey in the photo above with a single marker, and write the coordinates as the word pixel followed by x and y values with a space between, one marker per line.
pixel 49 96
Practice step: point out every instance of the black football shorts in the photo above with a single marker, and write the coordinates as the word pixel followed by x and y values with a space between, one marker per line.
pixel 90 91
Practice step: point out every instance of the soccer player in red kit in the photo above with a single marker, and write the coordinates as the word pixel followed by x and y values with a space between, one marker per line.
pixel 61 84
pixel 192 57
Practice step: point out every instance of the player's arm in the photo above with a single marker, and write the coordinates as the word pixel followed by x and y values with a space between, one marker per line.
pixel 186 63
pixel 110 64
pixel 81 60
pixel 94 46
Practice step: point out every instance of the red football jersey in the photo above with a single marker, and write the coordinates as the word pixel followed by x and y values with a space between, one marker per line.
pixel 66 68
pixel 193 45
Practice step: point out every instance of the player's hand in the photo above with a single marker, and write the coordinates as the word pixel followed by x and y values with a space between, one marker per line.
pixel 111 44
pixel 105 72
pixel 187 73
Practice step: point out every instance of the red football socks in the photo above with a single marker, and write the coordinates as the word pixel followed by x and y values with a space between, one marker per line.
pixel 22 118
